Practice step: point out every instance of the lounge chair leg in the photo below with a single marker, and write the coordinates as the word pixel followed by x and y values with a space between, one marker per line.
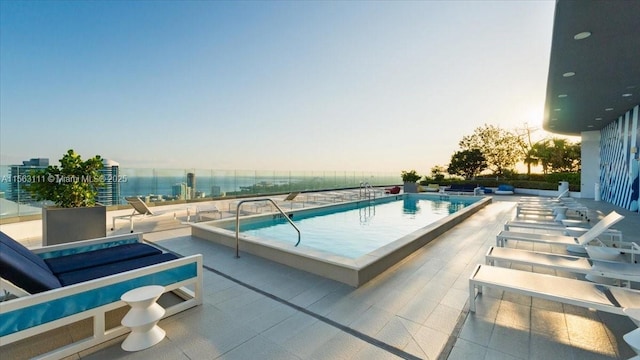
pixel 472 297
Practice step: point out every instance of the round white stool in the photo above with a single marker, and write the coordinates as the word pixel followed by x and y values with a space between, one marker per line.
pixel 143 318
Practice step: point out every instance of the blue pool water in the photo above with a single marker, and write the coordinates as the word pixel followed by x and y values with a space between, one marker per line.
pixel 357 229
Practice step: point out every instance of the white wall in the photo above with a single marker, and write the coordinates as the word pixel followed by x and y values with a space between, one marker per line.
pixel 590 173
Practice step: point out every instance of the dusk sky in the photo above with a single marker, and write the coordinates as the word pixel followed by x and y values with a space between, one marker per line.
pixel 267 85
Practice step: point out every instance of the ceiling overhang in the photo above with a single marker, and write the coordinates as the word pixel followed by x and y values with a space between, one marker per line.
pixel 594 68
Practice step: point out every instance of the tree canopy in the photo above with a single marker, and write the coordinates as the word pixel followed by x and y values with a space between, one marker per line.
pixel 467 163
pixel 558 155
pixel 499 150
pixel 502 149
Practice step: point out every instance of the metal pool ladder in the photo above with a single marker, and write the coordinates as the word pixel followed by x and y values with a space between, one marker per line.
pixel 256 200
pixel 368 190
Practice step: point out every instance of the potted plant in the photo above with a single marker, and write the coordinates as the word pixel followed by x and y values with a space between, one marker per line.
pixel 72 187
pixel 409 178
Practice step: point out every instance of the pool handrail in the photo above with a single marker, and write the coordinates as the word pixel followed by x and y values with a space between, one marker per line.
pixel 256 200
pixel 368 190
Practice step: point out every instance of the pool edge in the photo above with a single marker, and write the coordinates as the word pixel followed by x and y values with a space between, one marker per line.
pixel 353 272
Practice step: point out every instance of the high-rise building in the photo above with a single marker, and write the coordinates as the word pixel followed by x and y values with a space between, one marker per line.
pixel 20 176
pixel 110 193
pixel 180 191
pixel 191 184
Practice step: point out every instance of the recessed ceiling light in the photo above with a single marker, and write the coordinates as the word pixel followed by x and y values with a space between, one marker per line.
pixel 608 109
pixel 582 35
pixel 562 95
pixel 627 95
pixel 554 119
pixel 558 109
pixel 589 126
pixel 569 74
pixel 631 87
pixel 598 118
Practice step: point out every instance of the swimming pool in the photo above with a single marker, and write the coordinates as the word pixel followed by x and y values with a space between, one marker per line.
pixel 362 227
pixel 356 250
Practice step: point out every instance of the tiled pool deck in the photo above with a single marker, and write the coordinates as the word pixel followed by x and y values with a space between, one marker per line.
pixel 257 309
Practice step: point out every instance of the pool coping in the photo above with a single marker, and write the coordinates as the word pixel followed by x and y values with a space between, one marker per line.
pixel 354 272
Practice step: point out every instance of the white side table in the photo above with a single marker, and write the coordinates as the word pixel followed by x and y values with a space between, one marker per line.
pixel 143 317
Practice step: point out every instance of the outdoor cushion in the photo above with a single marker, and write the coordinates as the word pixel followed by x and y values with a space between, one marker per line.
pixel 79 276
pixel 393 190
pixel 28 271
pixel 20 249
pixel 463 187
pixel 505 187
pixel 21 271
pixel 73 262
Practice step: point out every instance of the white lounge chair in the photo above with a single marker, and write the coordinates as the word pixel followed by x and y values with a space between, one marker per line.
pixel 549 223
pixel 544 224
pixel 290 200
pixel 432 188
pixel 254 205
pixel 563 196
pixel 140 212
pixel 553 227
pixel 594 269
pixel 553 207
pixel 206 209
pixel 557 212
pixel 550 203
pixel 291 196
pixel 597 230
pixel 586 294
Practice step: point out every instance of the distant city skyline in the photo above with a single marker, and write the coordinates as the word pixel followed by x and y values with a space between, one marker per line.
pixel 300 86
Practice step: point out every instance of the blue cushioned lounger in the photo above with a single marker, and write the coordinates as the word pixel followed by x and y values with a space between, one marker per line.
pixel 33 274
pixel 62 284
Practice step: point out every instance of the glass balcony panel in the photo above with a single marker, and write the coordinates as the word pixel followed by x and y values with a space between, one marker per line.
pixel 158 185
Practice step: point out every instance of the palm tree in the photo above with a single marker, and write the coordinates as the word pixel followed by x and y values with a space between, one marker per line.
pixel 528 150
pixel 530 158
pixel 542 151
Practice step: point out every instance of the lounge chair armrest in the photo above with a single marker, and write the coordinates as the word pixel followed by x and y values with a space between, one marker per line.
pixel 87 245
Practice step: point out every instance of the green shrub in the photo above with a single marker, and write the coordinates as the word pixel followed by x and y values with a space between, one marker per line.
pixel 410 176
pixel 523 181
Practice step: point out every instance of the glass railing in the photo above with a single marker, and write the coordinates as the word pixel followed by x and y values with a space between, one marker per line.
pixel 157 185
